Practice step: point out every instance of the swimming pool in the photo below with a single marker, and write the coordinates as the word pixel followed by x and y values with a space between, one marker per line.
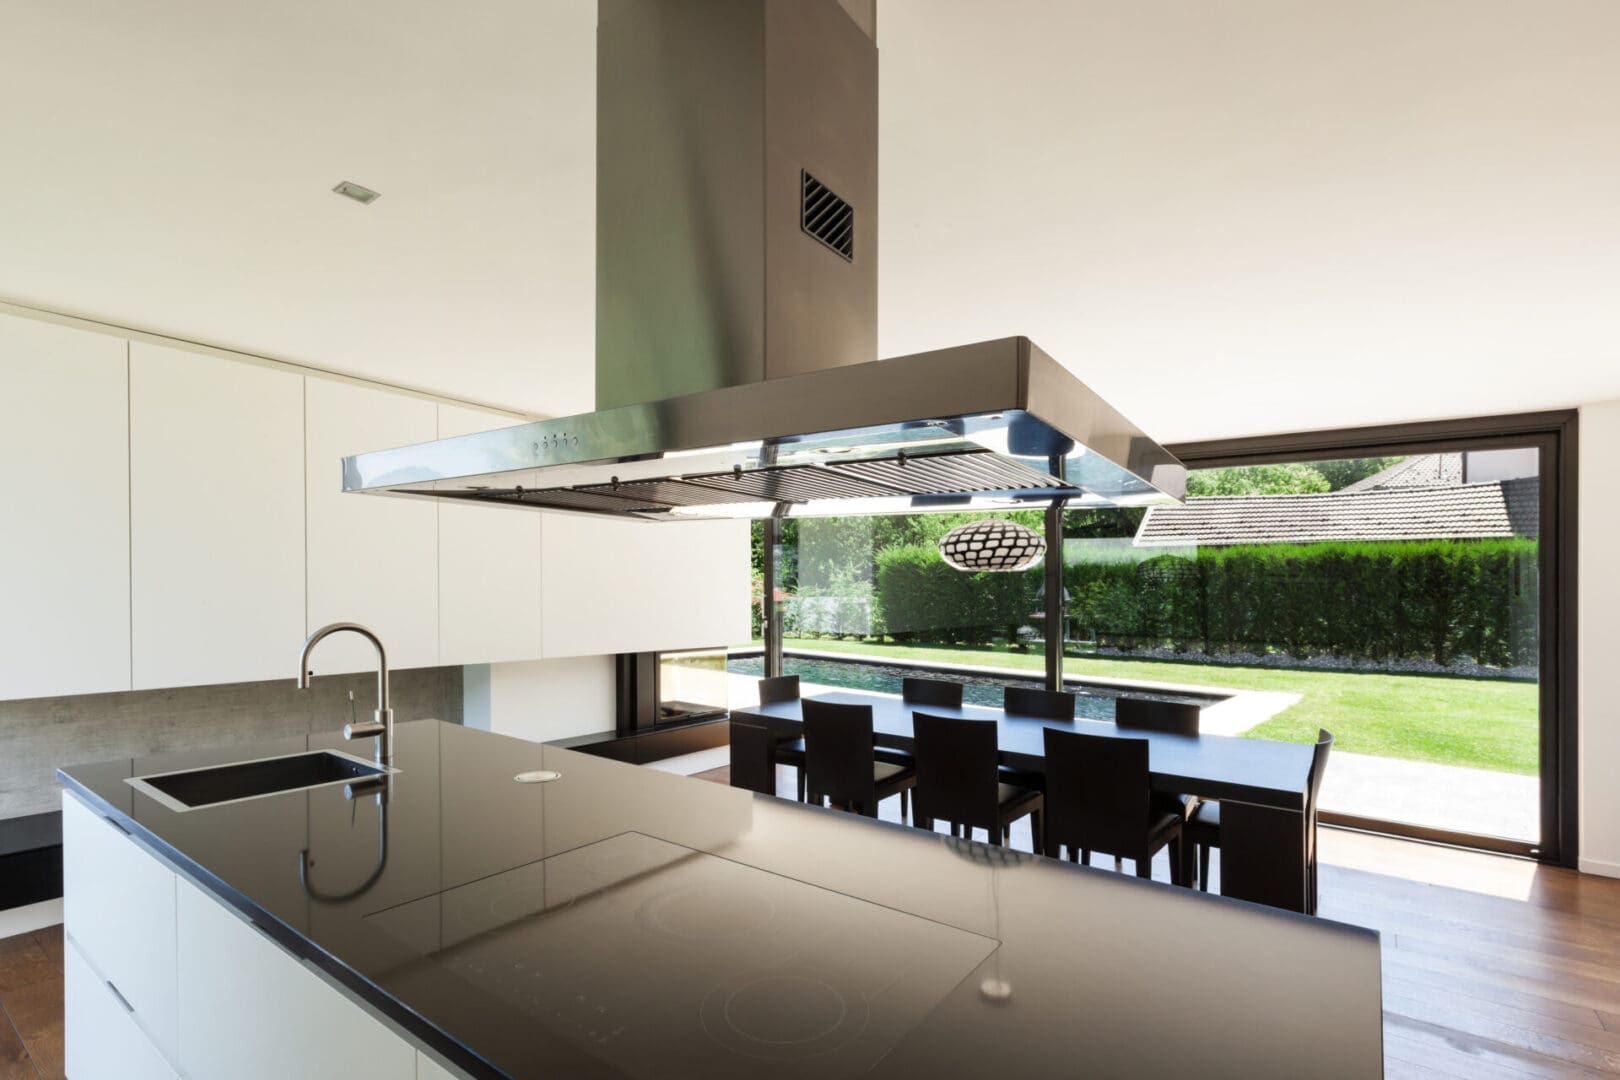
pixel 1092 701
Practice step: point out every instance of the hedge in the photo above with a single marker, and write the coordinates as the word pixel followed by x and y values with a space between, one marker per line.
pixel 1431 600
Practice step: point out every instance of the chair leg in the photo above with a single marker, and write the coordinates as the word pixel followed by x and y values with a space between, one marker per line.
pixel 1144 865
pixel 905 804
pixel 1203 868
pixel 1177 874
pixel 1074 855
pixel 1036 831
pixel 803 797
pixel 1119 864
pixel 1085 856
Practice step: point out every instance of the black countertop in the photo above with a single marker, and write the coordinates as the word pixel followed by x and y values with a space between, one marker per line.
pixel 619 921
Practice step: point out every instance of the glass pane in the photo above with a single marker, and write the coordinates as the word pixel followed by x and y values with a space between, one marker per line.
pixel 1391 601
pixel 870 600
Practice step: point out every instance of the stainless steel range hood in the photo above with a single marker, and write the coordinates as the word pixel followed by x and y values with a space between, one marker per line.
pixel 737 314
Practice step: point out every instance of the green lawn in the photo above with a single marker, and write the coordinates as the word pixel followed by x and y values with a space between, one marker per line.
pixel 1482 724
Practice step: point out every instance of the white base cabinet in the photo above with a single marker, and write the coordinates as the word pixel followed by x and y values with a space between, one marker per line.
pixel 240 1006
pixel 107 1039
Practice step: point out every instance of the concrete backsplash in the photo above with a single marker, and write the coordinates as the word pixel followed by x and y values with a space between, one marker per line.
pixel 40 734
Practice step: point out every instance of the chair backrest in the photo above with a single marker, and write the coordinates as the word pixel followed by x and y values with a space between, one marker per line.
pixel 1324 745
pixel 957 773
pixel 1098 793
pixel 1047 704
pixel 753 764
pixel 931 692
pixel 780 688
pixel 838 753
pixel 1170 717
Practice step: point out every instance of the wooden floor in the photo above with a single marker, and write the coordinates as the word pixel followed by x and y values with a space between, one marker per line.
pixel 1493 967
pixel 31 1005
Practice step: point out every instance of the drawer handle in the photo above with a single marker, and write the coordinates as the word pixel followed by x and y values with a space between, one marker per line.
pixel 122 1000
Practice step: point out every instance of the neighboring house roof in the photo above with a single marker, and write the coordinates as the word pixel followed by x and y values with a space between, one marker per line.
pixel 1449 512
pixel 1421 470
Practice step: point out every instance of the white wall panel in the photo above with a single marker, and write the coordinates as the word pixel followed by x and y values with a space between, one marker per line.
pixel 614 586
pixel 372 560
pixel 217 518
pixel 64 547
pixel 489 569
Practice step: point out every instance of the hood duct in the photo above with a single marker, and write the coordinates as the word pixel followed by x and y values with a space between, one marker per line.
pixel 736 312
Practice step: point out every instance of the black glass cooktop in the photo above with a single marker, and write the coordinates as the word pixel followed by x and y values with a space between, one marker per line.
pixel 623 922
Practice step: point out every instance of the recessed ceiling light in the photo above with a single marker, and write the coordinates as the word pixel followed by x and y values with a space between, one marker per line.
pixel 351 190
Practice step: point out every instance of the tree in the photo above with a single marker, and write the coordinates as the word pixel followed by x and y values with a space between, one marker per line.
pixel 1291 478
pixel 1341 474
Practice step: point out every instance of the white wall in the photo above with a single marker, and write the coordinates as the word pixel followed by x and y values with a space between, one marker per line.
pixel 541 700
pixel 1599 641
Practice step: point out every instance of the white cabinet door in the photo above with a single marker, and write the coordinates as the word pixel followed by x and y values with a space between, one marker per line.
pixel 612 586
pixel 216 518
pixel 249 1011
pixel 489 569
pixel 64 546
pixel 102 1040
pixel 118 904
pixel 372 559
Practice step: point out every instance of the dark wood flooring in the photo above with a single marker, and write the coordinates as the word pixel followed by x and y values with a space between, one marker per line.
pixel 1493 967
pixel 31 1005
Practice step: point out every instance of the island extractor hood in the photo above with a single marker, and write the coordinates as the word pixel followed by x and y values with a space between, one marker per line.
pixel 737 315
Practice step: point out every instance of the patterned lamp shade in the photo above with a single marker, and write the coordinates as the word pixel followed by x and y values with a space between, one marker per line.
pixel 991 544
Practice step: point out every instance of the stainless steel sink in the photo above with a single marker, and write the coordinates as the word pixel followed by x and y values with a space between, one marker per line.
pixel 192 789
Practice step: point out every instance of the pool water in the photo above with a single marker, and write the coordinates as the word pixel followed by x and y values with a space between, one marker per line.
pixel 1091 701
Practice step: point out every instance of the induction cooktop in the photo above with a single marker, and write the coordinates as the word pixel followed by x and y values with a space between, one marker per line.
pixel 664 961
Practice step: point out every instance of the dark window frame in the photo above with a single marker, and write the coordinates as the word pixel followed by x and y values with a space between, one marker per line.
pixel 1556 437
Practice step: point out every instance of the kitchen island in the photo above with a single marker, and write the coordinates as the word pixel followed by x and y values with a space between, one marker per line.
pixel 473 918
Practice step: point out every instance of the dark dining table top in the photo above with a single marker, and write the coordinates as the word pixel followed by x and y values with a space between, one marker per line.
pixel 1257 771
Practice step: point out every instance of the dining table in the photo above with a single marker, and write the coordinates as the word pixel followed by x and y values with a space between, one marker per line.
pixel 1263 785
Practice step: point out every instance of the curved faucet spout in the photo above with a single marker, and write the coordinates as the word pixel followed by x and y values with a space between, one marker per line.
pixel 382 727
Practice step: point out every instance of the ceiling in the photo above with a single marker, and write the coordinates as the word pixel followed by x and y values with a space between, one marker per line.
pixel 1229 217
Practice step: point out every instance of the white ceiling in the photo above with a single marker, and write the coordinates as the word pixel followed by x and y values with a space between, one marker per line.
pixel 1229 217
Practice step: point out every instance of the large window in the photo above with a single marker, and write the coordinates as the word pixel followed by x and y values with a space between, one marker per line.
pixel 1402 588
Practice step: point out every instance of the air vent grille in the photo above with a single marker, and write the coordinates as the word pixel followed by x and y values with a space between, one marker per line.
pixel 826 217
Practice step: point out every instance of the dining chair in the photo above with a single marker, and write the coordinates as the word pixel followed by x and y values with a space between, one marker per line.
pixel 840 766
pixel 1099 797
pixel 1045 704
pixel 753 765
pixel 1204 827
pixel 958 780
pixel 789 748
pixel 1146 714
pixel 1170 718
pixel 940 693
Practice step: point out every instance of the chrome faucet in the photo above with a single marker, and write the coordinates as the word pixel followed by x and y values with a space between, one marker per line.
pixel 382 728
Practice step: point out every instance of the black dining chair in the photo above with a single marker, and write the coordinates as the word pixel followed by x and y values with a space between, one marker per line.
pixel 1042 704
pixel 1170 718
pixel 840 765
pixel 753 764
pixel 939 693
pixel 790 748
pixel 958 780
pixel 1099 797
pixel 1204 827
pixel 1046 704
pixel 1146 714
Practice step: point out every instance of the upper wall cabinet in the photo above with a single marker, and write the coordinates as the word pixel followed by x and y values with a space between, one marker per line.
pixel 216 518
pixel 614 586
pixel 372 559
pixel 64 545
pixel 489 569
